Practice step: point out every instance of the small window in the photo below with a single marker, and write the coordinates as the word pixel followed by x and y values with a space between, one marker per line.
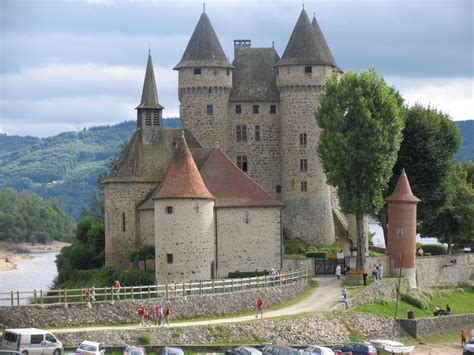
pixel 241 133
pixel 124 227
pixel 238 109
pixel 197 71
pixel 273 109
pixel 278 71
pixel 169 210
pixel 209 110
pixel 247 218
pixel 36 338
pixel 399 232
pixel 308 69
pixel 255 108
pixel 228 71
pixel 303 165
pixel 304 186
pixel 242 162
pixel 257 133
pixel 169 258
pixel 278 189
pixel 215 71
pixel 303 139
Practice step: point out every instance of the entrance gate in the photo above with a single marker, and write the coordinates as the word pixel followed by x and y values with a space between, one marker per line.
pixel 328 267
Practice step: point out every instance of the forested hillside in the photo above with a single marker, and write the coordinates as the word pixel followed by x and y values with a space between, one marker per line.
pixel 65 166
pixel 466 152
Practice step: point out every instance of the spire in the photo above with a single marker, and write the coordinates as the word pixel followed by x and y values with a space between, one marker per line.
pixel 306 46
pixel 204 48
pixel 402 192
pixel 149 94
pixel 183 179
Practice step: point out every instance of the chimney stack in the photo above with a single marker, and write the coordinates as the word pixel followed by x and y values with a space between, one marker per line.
pixel 241 43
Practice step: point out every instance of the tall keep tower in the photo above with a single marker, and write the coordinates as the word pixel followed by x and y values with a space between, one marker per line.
pixel 402 229
pixel 302 71
pixel 149 112
pixel 204 85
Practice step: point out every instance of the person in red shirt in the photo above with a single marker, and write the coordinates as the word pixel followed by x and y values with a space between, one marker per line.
pixel 259 307
pixel 117 288
pixel 463 338
pixel 140 312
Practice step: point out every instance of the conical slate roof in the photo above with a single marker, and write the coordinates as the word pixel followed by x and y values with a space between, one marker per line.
pixel 204 48
pixel 322 45
pixel 183 179
pixel 402 192
pixel 305 46
pixel 149 93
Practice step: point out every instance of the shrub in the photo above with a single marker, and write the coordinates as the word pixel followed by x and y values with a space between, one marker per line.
pixel 317 255
pixel 426 254
pixel 295 246
pixel 238 274
pixel 434 249
pixel 144 339
pixel 414 300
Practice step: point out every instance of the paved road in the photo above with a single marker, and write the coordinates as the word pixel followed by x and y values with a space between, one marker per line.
pixel 324 298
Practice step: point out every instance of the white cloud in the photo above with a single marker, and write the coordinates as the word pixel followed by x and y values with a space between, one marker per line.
pixel 454 96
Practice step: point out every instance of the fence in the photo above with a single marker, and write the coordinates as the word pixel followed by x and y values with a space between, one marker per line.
pixel 71 296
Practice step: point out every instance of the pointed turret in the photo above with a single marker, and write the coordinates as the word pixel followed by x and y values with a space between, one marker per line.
pixel 321 44
pixel 305 46
pixel 149 93
pixel 204 48
pixel 183 179
pixel 402 192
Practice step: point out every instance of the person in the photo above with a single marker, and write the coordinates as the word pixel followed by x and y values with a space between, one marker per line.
pixel 374 272
pixel 364 278
pixel 437 310
pixel 93 293
pixel 463 337
pixel 447 311
pixel 259 307
pixel 141 312
pixel 344 297
pixel 380 271
pixel 87 294
pixel 158 314
pixel 338 271
pixel 273 276
pixel 166 315
pixel 145 316
pixel 117 288
pixel 172 288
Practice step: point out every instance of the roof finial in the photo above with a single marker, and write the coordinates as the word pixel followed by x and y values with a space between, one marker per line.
pixel 303 6
pixel 273 44
pixel 149 48
pixel 314 14
pixel 203 7
pixel 403 172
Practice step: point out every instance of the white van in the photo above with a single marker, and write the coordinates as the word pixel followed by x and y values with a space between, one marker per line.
pixel 31 341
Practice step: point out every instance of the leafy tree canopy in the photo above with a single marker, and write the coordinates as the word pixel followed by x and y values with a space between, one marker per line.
pixel 143 253
pixel 362 125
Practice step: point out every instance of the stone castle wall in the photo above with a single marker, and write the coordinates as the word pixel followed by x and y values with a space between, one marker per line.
pixel 188 235
pixel 121 199
pixel 308 214
pixel 249 239
pixel 431 270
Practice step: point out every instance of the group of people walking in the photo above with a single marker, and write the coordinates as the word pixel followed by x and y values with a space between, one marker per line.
pixel 159 314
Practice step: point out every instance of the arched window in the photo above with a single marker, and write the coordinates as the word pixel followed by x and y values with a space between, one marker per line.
pixel 123 222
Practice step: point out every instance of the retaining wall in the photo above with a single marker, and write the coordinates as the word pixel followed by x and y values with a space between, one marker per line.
pixel 125 311
pixel 437 325
pixel 439 271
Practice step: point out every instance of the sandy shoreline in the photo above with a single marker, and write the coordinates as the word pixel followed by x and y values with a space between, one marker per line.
pixel 11 254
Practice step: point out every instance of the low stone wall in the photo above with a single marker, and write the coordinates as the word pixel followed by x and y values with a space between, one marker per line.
pixel 125 311
pixel 297 264
pixel 437 325
pixel 438 270
pixel 324 328
pixel 379 290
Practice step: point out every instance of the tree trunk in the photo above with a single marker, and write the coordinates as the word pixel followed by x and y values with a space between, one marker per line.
pixel 450 241
pixel 144 264
pixel 383 219
pixel 361 241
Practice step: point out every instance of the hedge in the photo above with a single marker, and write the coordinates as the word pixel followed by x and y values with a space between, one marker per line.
pixel 317 255
pixel 434 249
pixel 238 274
pixel 414 300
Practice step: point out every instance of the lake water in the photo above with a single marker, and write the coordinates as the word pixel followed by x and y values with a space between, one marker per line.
pixel 380 242
pixel 37 273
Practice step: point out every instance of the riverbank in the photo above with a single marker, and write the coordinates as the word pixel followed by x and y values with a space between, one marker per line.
pixel 12 254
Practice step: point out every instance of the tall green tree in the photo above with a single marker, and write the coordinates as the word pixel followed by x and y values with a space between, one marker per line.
pixel 361 121
pixel 454 222
pixel 143 253
pixel 430 140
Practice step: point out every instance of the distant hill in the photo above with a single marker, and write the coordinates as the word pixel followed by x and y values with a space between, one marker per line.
pixel 64 166
pixel 466 152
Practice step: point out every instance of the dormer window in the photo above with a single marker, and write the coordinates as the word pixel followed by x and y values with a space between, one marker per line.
pixel 197 71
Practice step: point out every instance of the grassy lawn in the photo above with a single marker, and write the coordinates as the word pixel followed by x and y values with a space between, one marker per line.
pixel 436 339
pixel 459 301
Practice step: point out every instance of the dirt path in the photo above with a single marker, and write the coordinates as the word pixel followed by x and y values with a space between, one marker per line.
pixel 438 349
pixel 324 298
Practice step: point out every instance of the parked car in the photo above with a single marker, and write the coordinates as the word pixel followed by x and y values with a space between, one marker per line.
pixel 316 349
pixel 31 340
pixel 247 350
pixel 280 350
pixel 469 347
pixel 134 350
pixel 360 349
pixel 90 348
pixel 170 350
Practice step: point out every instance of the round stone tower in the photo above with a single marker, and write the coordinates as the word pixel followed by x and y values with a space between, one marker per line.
pixel 204 85
pixel 401 242
pixel 184 222
pixel 302 71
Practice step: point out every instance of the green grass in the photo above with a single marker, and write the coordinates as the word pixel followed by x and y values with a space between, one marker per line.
pixel 460 302
pixel 436 339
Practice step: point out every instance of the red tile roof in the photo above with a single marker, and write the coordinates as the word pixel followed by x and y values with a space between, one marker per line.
pixel 183 179
pixel 402 192
pixel 231 186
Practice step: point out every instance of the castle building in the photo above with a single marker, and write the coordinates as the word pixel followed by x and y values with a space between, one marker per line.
pixel 211 197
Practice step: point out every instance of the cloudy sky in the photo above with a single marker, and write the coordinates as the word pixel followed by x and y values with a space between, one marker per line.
pixel 71 64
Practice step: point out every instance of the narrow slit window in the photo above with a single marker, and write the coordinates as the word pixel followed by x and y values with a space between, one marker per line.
pixel 124 227
pixel 169 258
pixel 257 133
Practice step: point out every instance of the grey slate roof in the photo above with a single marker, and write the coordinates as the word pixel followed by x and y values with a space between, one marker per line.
pixel 254 76
pixel 305 46
pixel 322 44
pixel 149 93
pixel 204 48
